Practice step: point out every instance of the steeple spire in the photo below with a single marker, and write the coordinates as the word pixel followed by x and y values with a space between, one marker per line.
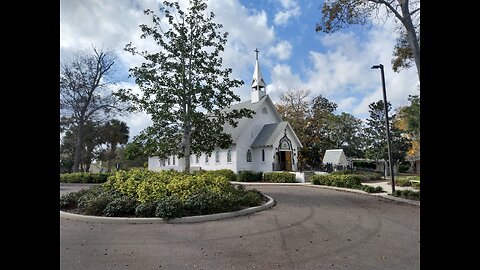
pixel 258 84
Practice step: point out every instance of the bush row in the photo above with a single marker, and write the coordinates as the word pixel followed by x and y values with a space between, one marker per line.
pixel 343 180
pixel 145 186
pixel 272 177
pixel 408 194
pixel 83 177
pixel 99 202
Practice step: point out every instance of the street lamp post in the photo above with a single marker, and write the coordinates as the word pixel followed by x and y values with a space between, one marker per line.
pixel 380 66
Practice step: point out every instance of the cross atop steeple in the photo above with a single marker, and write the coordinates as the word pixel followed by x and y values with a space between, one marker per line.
pixel 256 54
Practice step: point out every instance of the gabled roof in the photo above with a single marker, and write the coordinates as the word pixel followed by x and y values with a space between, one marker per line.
pixel 333 156
pixel 243 122
pixel 268 134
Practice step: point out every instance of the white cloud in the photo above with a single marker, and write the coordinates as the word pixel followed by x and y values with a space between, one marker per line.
pixel 282 17
pixel 288 3
pixel 345 104
pixel 282 79
pixel 344 71
pixel 282 50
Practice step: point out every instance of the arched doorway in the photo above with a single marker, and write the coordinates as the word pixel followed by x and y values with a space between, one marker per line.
pixel 285 154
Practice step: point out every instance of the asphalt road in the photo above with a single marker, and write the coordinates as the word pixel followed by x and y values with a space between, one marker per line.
pixel 308 228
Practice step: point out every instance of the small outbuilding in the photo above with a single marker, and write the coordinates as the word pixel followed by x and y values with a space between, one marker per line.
pixel 335 157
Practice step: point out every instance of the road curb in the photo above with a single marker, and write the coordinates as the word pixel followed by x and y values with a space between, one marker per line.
pixel 383 195
pixel 193 219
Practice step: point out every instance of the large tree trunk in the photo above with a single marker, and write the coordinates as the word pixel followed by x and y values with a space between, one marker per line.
pixel 411 35
pixel 186 147
pixel 78 148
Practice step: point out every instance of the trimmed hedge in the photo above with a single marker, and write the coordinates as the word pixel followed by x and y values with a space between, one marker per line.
pixel 343 180
pixel 347 180
pixel 279 177
pixel 227 173
pixel 249 176
pixel 371 189
pixel 83 177
pixel 408 194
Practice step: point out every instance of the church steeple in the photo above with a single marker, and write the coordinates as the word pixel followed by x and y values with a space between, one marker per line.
pixel 258 84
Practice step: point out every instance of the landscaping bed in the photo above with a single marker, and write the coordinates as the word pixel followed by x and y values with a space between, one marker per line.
pixel 166 194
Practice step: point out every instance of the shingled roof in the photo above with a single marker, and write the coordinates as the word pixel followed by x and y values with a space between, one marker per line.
pixel 268 134
pixel 243 122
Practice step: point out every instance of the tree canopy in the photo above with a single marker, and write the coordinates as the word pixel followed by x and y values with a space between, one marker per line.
pixel 184 86
pixel 376 135
pixel 338 14
pixel 84 94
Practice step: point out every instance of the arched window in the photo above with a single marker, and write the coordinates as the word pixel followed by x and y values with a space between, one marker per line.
pixel 206 158
pixel 263 155
pixel 173 160
pixel 229 156
pixel 197 159
pixel 168 160
pixel 249 155
pixel 264 110
pixel 217 157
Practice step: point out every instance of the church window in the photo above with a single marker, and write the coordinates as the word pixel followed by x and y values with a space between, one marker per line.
pixel 264 110
pixel 197 159
pixel 217 157
pixel 229 155
pixel 249 155
pixel 263 155
pixel 173 158
pixel 168 160
pixel 206 158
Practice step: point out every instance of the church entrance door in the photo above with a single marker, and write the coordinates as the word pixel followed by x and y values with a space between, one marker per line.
pixel 285 160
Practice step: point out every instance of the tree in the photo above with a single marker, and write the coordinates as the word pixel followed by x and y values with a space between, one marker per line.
pixel 294 107
pixel 84 93
pixel 338 14
pixel 376 134
pixel 408 121
pixel 184 87
pixel 114 132
pixel 90 141
pixel 346 132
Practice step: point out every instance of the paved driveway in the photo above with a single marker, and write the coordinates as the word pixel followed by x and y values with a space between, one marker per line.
pixel 309 228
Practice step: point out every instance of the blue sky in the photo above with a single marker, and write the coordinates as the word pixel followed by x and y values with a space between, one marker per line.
pixel 292 55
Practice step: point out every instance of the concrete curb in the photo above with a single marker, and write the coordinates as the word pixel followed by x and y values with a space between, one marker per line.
pixel 80 184
pixel 383 195
pixel 193 219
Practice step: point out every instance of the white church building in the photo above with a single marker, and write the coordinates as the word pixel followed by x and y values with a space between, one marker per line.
pixel 263 143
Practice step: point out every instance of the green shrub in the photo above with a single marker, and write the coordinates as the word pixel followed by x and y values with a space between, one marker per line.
pixel 251 198
pixel 150 190
pixel 249 176
pixel 364 164
pixel 205 202
pixel 169 207
pixel 69 200
pixel 342 172
pixel 408 194
pixel 95 206
pixel 279 177
pixel 371 189
pixel 86 195
pixel 83 177
pixel 146 209
pixel 403 182
pixel 227 173
pixel 342 180
pixel 121 207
